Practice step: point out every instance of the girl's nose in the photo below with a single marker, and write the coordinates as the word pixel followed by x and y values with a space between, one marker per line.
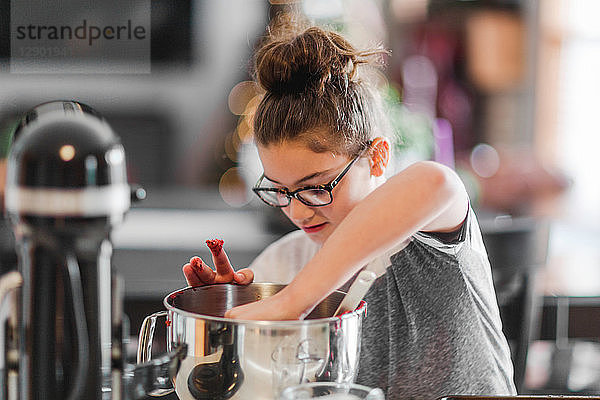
pixel 298 211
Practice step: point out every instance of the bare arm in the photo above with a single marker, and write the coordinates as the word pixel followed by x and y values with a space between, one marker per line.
pixel 425 196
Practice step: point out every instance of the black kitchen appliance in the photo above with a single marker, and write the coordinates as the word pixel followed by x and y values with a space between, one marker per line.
pixel 66 189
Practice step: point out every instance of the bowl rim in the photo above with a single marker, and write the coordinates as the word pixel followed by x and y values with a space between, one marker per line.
pixel 360 311
pixel 350 385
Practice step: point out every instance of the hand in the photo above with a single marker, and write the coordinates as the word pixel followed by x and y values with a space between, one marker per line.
pixel 273 308
pixel 198 273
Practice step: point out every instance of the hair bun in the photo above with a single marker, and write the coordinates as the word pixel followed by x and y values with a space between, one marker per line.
pixel 297 63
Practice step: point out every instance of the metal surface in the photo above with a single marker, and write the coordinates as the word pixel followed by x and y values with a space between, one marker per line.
pixel 9 282
pixel 235 359
pixel 144 353
pixel 9 361
pixel 66 187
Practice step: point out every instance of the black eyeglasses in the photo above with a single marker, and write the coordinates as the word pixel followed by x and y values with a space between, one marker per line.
pixel 312 196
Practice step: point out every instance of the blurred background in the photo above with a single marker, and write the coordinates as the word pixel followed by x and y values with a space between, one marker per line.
pixel 504 91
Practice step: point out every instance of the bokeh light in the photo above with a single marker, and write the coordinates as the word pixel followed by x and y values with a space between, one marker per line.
pixel 240 96
pixel 66 152
pixel 485 160
pixel 244 129
pixel 232 146
pixel 232 188
pixel 252 105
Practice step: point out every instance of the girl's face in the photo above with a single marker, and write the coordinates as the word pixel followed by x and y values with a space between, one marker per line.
pixel 293 165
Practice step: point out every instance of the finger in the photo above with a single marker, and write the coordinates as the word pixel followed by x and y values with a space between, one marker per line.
pixel 220 259
pixel 244 276
pixel 197 273
pixel 203 271
pixel 190 275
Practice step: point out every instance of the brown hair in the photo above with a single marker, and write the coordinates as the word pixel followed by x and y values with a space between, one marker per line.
pixel 314 90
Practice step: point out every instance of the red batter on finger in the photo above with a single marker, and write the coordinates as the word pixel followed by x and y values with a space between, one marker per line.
pixel 196 262
pixel 215 246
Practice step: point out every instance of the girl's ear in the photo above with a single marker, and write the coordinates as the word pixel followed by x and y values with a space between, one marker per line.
pixel 379 155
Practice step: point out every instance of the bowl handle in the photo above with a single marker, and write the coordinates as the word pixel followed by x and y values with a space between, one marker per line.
pixel 144 352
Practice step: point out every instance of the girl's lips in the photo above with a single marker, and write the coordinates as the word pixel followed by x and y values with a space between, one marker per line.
pixel 314 228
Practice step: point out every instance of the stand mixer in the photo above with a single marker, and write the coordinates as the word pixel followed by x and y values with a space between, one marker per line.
pixel 66 189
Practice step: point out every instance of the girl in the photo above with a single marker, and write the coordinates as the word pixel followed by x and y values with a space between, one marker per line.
pixel 433 326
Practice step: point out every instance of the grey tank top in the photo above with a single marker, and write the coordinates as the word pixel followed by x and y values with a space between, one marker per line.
pixel 433 327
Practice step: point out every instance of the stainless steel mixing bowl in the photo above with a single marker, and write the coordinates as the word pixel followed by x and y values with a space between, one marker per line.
pixel 234 359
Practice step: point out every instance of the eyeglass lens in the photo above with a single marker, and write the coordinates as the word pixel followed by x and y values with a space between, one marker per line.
pixel 311 197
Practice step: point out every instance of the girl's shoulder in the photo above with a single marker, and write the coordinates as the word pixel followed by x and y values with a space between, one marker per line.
pixel 468 234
